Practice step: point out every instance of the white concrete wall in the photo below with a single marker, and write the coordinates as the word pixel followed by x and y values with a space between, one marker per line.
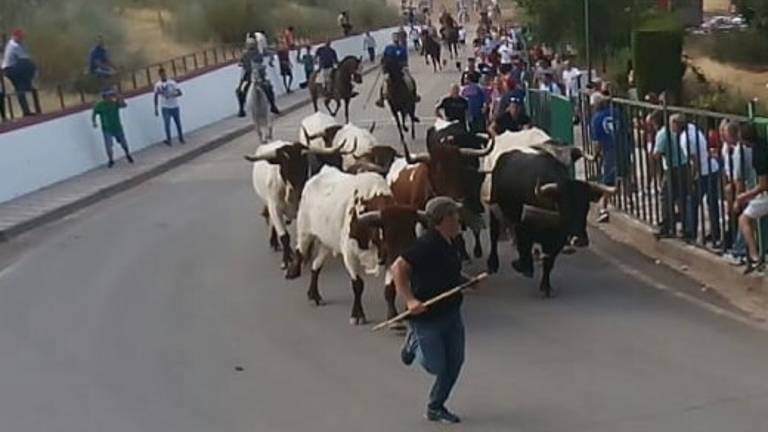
pixel 43 154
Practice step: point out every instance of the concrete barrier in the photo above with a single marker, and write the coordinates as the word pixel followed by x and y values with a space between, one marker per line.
pixel 40 155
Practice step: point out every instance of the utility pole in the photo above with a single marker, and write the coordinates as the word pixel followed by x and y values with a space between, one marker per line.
pixel 587 41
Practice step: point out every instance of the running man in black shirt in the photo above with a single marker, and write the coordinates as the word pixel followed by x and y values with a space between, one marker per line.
pixel 453 107
pixel 513 119
pixel 436 336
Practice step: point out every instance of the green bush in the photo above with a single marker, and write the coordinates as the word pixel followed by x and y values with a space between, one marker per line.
pixel 657 50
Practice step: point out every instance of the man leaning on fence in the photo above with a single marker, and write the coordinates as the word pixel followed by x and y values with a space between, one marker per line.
pixel 675 161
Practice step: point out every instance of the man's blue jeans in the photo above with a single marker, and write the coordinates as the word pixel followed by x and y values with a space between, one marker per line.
pixel 439 348
pixel 175 114
pixel 708 185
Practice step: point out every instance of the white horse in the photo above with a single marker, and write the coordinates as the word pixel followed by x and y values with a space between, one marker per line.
pixel 259 107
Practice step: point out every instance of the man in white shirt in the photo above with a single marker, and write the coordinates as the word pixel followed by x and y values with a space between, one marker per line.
pixel 369 45
pixel 571 80
pixel 167 93
pixel 506 53
pixel 548 84
pixel 19 69
pixel 706 171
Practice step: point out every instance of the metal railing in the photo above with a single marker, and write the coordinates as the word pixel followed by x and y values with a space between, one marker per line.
pixel 85 90
pixel 688 192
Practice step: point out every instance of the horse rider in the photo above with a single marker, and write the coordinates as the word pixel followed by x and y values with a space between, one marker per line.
pixel 395 62
pixel 327 60
pixel 252 63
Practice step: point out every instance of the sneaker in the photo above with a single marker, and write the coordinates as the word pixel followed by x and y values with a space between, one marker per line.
pixel 442 415
pixel 603 217
pixel 734 260
pixel 275 111
pixel 181 140
pixel 110 164
pixel 166 142
pixel 130 159
pixel 406 352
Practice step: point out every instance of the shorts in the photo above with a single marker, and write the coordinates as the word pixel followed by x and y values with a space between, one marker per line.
pixel 757 208
pixel 285 69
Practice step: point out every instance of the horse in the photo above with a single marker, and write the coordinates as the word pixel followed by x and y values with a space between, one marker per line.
pixel 402 104
pixel 260 113
pixel 431 50
pixel 343 78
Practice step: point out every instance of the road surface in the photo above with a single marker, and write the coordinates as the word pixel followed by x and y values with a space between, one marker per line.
pixel 162 309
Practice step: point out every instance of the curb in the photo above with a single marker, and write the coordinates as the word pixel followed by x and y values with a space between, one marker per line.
pixel 747 293
pixel 129 183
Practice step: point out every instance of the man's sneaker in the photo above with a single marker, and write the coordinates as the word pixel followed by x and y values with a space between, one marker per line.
pixel 110 164
pixel 418 98
pixel 734 260
pixel 442 415
pixel 603 217
pixel 406 352
pixel 380 103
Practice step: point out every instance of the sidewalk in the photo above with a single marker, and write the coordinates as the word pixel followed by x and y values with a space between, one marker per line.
pixel 56 201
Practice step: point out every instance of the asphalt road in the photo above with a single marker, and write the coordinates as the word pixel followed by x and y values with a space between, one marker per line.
pixel 162 309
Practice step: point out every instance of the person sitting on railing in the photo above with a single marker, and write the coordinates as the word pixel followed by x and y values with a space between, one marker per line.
pixel 755 202
pixel 99 63
pixel 19 68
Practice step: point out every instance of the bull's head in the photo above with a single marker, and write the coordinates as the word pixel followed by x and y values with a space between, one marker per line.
pixel 571 199
pixel 453 170
pixel 393 227
pixel 327 135
pixel 378 159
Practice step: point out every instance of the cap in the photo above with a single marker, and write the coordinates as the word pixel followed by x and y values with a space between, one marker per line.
pixel 439 207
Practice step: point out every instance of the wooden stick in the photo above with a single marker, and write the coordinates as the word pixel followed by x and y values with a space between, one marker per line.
pixel 434 300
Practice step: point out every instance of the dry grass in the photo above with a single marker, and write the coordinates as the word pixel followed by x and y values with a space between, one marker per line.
pixel 716 6
pixel 148 36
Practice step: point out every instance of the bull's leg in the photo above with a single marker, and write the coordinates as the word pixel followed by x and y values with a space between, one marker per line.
pixel 402 121
pixel 478 246
pixel 399 125
pixel 358 315
pixel 273 240
pixel 313 294
pixel 548 264
pixel 389 295
pixel 276 218
pixel 524 263
pixel 493 254
pixel 346 111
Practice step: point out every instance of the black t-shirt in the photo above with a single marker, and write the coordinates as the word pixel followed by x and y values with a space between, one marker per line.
pixel 435 269
pixel 760 158
pixel 505 122
pixel 455 108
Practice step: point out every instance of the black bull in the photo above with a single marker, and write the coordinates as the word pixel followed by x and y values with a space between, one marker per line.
pixel 556 209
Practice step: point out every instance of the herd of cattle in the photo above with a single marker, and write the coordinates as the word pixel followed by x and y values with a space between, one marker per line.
pixel 351 195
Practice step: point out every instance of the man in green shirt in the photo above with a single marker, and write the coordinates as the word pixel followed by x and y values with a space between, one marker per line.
pixel 674 158
pixel 108 112
pixel 308 61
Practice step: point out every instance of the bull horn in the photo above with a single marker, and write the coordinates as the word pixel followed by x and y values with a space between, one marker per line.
pixel 329 151
pixel 414 159
pixel 547 189
pixel 479 153
pixel 261 157
pixel 602 189
pixel 370 217
pixel 350 152
pixel 372 128
pixel 421 215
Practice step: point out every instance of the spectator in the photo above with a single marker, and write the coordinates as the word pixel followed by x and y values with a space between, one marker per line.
pixel 572 79
pixel 99 63
pixel 477 104
pixel 246 63
pixel 706 177
pixel 369 45
pixel 167 92
pixel 674 161
pixel 548 84
pixel 108 112
pixel 289 38
pixel 736 157
pixel 19 69
pixel 453 107
pixel 344 23
pixel 470 70
pixel 286 69
pixel 513 119
pixel 415 34
pixel 462 35
pixel 505 54
pixel 755 202
pixel 604 134
pixel 327 59
pixel 308 60
pixel 500 88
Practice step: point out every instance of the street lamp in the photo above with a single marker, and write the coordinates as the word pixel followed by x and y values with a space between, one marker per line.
pixel 586 41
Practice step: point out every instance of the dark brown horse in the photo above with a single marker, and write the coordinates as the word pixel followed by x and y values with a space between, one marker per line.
pixel 431 50
pixel 343 79
pixel 402 103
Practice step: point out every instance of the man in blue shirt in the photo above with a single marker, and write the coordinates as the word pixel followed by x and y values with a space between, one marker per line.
pixel 476 99
pixel 603 133
pixel 327 59
pixel 394 63
pixel 99 64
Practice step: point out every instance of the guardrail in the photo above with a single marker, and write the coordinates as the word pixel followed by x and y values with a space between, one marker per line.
pixel 76 94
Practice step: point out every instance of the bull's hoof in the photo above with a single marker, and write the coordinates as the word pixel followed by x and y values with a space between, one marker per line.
pixel 526 271
pixel 547 293
pixel 493 265
pixel 318 301
pixel 293 272
pixel 358 321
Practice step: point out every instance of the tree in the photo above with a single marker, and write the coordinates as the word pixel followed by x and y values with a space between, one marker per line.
pixel 755 12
